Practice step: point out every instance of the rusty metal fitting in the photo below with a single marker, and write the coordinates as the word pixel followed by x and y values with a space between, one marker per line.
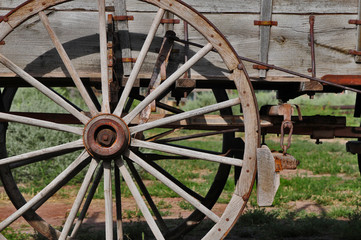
pixel 123 18
pixel 261 67
pixel 354 52
pixel 2 42
pixel 265 23
pixel 170 21
pixel 286 124
pixel 106 136
pixel 132 60
pixel 4 19
pixel 354 21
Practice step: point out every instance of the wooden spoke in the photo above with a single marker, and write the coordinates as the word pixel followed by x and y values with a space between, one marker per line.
pixel 48 189
pixel 118 204
pixel 147 196
pixel 184 115
pixel 211 215
pixel 167 83
pixel 68 64
pixel 42 88
pixel 40 123
pixel 140 59
pixel 79 199
pixel 186 152
pixel 2 237
pixel 87 202
pixel 108 201
pixel 197 135
pixel 138 198
pixel 103 57
pixel 173 179
pixel 44 153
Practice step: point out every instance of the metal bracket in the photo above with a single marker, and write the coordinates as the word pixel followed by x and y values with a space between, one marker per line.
pixel 261 67
pixel 2 42
pixel 170 21
pixel 129 60
pixel 265 23
pixel 123 18
pixel 4 19
pixel 354 21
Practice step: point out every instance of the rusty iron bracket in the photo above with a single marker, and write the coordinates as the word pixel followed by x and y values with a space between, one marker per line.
pixel 123 18
pixel 354 21
pixel 312 45
pixel 260 67
pixel 354 52
pixel 2 42
pixel 286 111
pixel 170 21
pixel 132 60
pixel 4 19
pixel 265 23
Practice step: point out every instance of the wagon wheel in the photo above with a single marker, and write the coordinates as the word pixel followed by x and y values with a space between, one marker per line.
pixel 123 146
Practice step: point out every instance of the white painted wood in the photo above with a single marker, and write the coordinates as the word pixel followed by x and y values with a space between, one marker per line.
pixel 265 33
pixel 108 200
pixel 167 83
pixel 68 64
pixel 123 34
pixel 186 152
pixel 268 179
pixel 185 115
pixel 2 237
pixel 139 200
pixel 48 189
pixel 78 200
pixel 83 5
pixel 103 57
pixel 57 150
pixel 118 204
pixel 87 202
pixel 42 88
pixel 211 215
pixel 40 123
pixel 138 64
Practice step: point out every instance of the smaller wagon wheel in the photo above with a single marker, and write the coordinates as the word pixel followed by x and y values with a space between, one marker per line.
pixel 111 136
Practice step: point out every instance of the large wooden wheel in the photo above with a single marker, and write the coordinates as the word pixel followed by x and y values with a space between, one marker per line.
pixel 115 136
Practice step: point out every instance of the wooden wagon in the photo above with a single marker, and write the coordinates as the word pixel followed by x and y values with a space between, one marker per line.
pixel 125 57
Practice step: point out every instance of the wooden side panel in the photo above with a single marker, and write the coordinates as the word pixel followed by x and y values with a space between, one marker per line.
pixel 252 6
pixel 82 5
pixel 30 47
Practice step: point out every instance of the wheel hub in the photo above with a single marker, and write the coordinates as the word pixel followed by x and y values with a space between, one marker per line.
pixel 106 136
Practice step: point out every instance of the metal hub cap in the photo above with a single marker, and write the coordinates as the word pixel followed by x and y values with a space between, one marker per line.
pixel 106 136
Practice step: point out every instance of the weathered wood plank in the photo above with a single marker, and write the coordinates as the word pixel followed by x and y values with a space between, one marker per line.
pixel 265 33
pixel 30 47
pixel 76 5
pixel 252 6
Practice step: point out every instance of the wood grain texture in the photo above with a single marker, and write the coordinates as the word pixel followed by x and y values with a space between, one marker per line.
pixel 288 42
